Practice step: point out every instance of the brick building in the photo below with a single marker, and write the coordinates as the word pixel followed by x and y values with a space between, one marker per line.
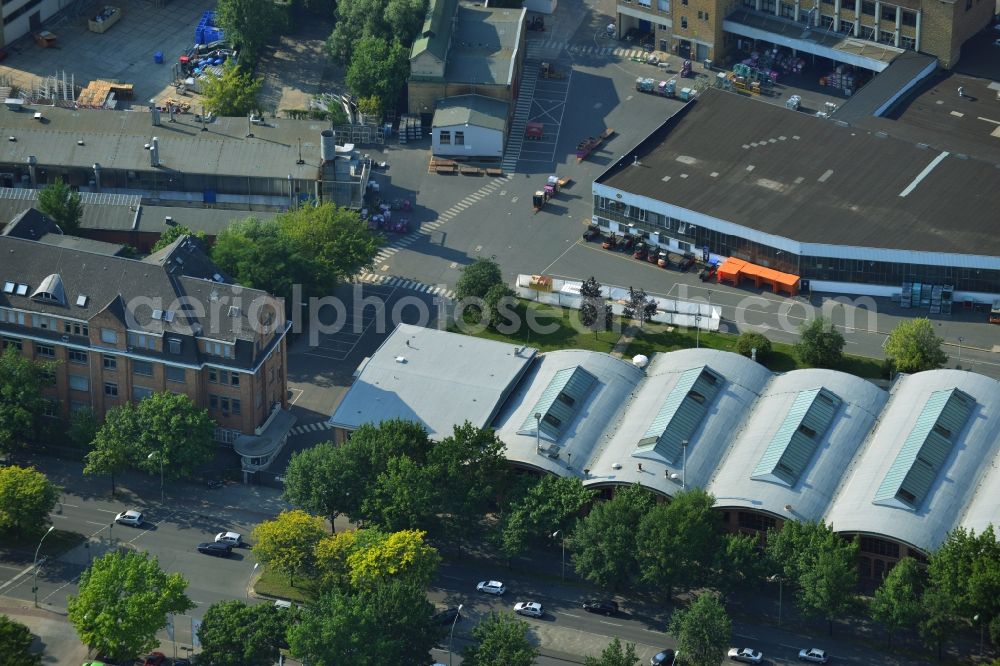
pixel 121 329
pixel 862 33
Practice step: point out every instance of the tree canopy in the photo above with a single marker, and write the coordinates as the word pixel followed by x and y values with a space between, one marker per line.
pixel 478 278
pixel 379 68
pixel 501 640
pixel 63 205
pixel 639 307
pixel 913 346
pixel 819 564
pixel 702 630
pixel 178 434
pixel 359 560
pixel 21 401
pixel 750 340
pixel 122 601
pixel 27 497
pixel 595 311
pixel 115 445
pixel 314 246
pixel 235 93
pixel 551 504
pixel 615 654
pixel 174 232
pixel 386 19
pixel 391 623
pixel 287 543
pixel 393 477
pixel 675 542
pixel 15 644
pixel 248 23
pixel 233 633
pixel 897 600
pixel 820 344
pixel 604 549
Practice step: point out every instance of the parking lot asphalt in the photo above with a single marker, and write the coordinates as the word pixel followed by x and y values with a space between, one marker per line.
pixel 123 53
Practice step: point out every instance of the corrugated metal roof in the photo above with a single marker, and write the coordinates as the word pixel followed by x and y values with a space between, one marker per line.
pixel 559 403
pixel 682 412
pixel 794 444
pixel 926 449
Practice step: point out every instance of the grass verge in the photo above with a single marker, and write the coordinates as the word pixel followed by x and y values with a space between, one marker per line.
pixel 273 584
pixel 559 328
pixel 660 338
pixel 550 328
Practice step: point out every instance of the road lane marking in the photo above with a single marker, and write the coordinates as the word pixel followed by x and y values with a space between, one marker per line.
pixel 571 615
pixel 613 624
pixel 70 505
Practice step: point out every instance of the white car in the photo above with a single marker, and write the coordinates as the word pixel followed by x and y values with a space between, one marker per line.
pixel 529 608
pixel 815 655
pixel 491 587
pixel 131 518
pixel 745 655
pixel 233 539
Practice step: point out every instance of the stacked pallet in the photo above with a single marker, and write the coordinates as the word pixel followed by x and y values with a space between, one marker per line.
pixel 101 94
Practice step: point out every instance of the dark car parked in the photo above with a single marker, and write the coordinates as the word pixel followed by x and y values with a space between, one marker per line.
pixel 602 606
pixel 215 548
pixel 447 616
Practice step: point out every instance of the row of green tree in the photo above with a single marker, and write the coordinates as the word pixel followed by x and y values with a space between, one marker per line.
pixel 392 477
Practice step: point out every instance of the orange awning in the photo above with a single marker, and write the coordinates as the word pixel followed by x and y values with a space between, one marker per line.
pixel 734 270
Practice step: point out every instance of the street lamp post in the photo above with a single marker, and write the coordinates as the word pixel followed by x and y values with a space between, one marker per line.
pixel 976 618
pixel 558 533
pixel 160 458
pixel 684 465
pixel 697 331
pixel 451 636
pixel 250 578
pixel 34 580
pixel 780 581
pixel 538 432
pixel 960 341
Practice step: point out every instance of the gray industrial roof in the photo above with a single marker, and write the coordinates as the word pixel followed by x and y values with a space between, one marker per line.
pixel 736 482
pixel 437 378
pixel 795 176
pixel 583 435
pixel 476 110
pixel 116 139
pixel 808 444
pixel 956 495
pixel 100 211
pixel 483 45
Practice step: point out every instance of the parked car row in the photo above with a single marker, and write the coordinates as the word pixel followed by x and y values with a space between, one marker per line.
pixel 609 607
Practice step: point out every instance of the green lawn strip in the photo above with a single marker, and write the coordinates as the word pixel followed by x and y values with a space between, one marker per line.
pixel 659 338
pixel 272 584
pixel 567 333
pixel 555 328
pixel 53 546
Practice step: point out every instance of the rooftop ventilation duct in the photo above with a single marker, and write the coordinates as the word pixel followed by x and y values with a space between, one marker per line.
pixel 97 177
pixel 327 146
pixel 154 152
pixel 33 170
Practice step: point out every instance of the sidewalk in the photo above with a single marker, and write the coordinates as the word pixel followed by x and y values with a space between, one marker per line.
pixel 54 635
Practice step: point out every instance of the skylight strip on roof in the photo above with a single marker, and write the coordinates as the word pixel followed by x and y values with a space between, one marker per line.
pixel 794 444
pixel 926 449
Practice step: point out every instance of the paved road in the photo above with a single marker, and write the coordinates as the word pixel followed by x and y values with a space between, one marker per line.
pixel 567 633
pixel 472 218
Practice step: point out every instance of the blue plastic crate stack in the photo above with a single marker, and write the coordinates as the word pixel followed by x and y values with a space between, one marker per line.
pixel 207 32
